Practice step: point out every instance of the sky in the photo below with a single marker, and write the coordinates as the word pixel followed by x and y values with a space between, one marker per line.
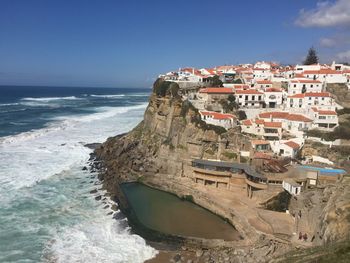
pixel 128 43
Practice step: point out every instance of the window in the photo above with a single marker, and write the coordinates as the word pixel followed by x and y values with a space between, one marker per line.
pixel 311 86
pixel 322 117
pixel 246 97
pixel 253 97
pixel 322 98
pixel 309 98
pixel 295 85
pixel 259 98
pixel 240 96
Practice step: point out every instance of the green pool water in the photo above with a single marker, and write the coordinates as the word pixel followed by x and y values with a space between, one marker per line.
pixel 169 214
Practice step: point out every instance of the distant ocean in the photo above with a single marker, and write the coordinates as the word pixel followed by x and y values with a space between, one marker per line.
pixel 47 213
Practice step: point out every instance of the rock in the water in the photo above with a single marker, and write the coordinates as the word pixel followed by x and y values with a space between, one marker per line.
pixel 98 198
pixel 93 191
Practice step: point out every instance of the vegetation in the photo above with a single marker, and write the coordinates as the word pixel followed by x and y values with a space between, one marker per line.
pixel 196 119
pixel 340 132
pixel 237 81
pixel 215 81
pixel 333 252
pixel 230 155
pixel 311 57
pixel 242 115
pixel 230 104
pixel 165 88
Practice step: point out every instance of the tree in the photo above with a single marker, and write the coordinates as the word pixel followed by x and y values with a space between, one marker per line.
pixel 311 57
pixel 215 81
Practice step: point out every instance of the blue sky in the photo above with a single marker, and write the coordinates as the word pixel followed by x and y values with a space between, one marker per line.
pixel 128 43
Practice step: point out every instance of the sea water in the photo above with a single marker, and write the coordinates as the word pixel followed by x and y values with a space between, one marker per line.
pixel 47 213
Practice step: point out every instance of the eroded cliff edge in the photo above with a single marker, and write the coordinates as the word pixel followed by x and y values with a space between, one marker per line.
pixel 159 152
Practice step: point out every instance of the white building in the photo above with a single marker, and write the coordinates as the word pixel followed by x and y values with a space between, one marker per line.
pixel 266 129
pixel 291 186
pixel 326 75
pixel 261 73
pixel 225 120
pixel 325 119
pixel 249 98
pixel 295 124
pixel 310 99
pixel 302 68
pixel 273 97
pixel 263 84
pixel 296 86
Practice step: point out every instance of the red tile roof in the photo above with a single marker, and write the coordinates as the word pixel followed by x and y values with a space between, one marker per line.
pixel 273 114
pixel 259 142
pixel 324 112
pixel 292 145
pixel 217 90
pixel 264 82
pixel 310 94
pixel 284 115
pixel 270 124
pixel 273 90
pixel 249 91
pixel 322 71
pixel 259 121
pixel 261 155
pixel 298 117
pixel 217 115
pixel 317 94
pixel 247 123
pixel 305 81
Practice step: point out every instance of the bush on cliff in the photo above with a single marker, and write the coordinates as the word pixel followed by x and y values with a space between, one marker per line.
pixel 164 88
pixel 187 106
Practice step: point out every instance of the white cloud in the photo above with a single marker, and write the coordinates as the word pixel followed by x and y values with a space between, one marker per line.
pixel 340 39
pixel 344 56
pixel 327 42
pixel 326 14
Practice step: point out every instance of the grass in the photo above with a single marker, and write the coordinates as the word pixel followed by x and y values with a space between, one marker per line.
pixel 336 252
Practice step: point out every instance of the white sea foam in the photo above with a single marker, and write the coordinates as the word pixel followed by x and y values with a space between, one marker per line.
pixel 23 161
pixel 99 238
pixel 51 98
pixel 108 96
pixel 52 153
pixel 8 104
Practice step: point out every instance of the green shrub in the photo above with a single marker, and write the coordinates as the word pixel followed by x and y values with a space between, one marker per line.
pixel 230 155
pixel 163 88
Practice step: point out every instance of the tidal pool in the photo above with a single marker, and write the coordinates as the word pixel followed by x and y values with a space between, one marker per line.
pixel 165 212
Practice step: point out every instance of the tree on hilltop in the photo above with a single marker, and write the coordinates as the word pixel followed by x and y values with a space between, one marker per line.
pixel 311 57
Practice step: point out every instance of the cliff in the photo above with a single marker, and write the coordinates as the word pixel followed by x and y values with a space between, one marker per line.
pixel 166 141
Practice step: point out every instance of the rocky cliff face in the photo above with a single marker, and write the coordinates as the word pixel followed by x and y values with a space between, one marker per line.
pixel 165 142
pixel 325 213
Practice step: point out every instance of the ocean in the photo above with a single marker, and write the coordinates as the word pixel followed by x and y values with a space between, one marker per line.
pixel 47 213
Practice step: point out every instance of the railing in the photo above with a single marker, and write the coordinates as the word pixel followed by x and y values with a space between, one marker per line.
pixel 256 185
pixel 211 172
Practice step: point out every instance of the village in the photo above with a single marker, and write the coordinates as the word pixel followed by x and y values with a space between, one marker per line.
pixel 274 106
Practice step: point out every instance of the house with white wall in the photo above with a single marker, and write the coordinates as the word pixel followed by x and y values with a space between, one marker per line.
pixel 224 120
pixel 265 129
pixel 263 84
pixel 326 75
pixel 261 73
pixel 310 99
pixel 295 124
pixel 249 98
pixel 296 86
pixel 273 97
pixel 325 119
